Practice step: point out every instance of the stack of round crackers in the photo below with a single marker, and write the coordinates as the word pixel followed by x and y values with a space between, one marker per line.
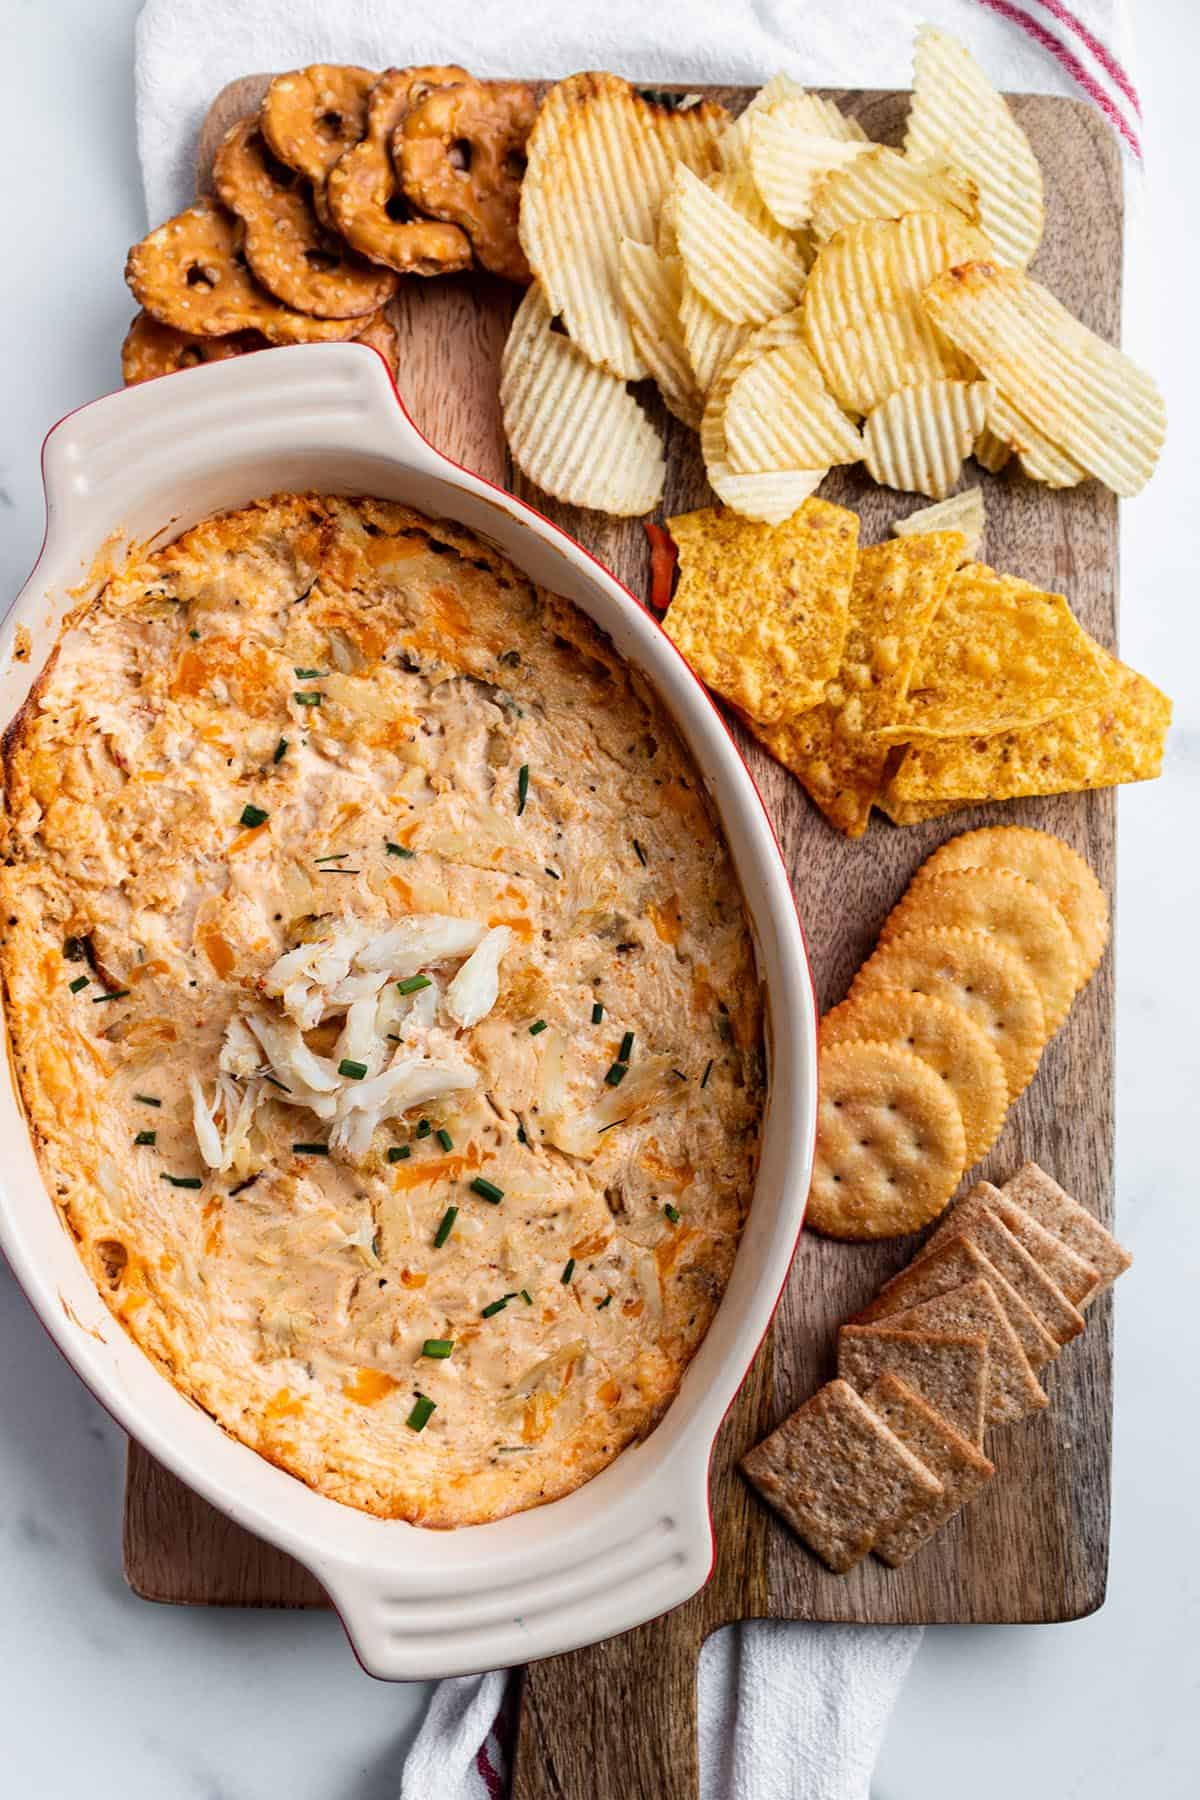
pixel 975 970
pixel 343 182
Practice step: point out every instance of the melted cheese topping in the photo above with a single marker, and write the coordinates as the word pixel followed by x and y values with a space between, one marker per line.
pixel 271 772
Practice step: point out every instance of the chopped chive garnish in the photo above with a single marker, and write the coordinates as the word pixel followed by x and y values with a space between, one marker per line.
pixel 399 850
pixel 117 994
pixel 613 1126
pixel 193 633
pixel 334 856
pixel 708 1069
pixel 672 1213
pixel 568 1271
pixel 597 1012
pixel 444 1138
pixel 489 1312
pixel 253 815
pixel 446 1227
pixel 275 1082
pixel 311 674
pixel 641 854
pixel 679 1074
pixel 538 1026
pixel 522 788
pixel 601 1304
pixel 79 983
pixel 553 873
pixel 146 1137
pixel 353 1071
pixel 312 699
pixel 424 1128
pixel 184 1181
pixel 421 1413
pixel 521 1138
pixel 412 984
pixel 280 750
pixel 526 1296
pixel 241 1186
pixel 626 1047
pixel 616 1074
pixel 310 1149
pixel 438 1348
pixel 487 1190
pixel 399 1152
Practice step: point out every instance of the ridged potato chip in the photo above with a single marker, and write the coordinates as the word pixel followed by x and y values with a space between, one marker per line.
pixel 788 158
pixel 961 512
pixel 780 415
pixel 651 289
pixel 833 749
pixel 863 315
pixel 990 452
pixel 600 158
pixel 1000 655
pixel 918 437
pixel 883 184
pixel 823 116
pixel 1039 458
pixel 958 117
pixel 771 497
pixel 747 276
pixel 574 429
pixel 1086 396
pixel 760 611
pixel 737 187
pixel 709 339
pixel 1118 739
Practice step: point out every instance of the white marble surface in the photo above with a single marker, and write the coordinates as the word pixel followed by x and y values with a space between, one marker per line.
pixel 106 1695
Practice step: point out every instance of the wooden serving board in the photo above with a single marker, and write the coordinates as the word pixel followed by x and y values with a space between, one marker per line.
pixel 1034 1546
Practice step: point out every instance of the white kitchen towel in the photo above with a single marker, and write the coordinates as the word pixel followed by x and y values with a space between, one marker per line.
pixel 787 1712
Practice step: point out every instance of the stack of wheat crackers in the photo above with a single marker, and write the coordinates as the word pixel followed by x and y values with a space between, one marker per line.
pixel 879 1459
pixel 901 675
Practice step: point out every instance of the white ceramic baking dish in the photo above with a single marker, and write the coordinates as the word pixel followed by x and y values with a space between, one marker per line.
pixel 638 1539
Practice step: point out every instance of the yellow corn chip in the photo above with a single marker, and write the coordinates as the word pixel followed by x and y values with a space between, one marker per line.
pixel 600 158
pixel 1001 655
pixel 834 749
pixel 746 275
pixel 651 289
pixel 1116 740
pixel 1039 458
pixel 788 157
pixel 918 437
pixel 990 453
pixel 903 812
pixel 1083 394
pixel 573 428
pixel 823 116
pixel 962 512
pixel 863 317
pixel 958 117
pixel 760 610
pixel 883 184
pixel 780 415
pixel 770 497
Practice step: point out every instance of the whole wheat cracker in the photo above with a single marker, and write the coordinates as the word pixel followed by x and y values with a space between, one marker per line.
pixel 959 1260
pixel 1047 1302
pixel 1042 1198
pixel 838 1476
pixel 1013 1388
pixel 948 1370
pixel 958 1465
pixel 1072 1274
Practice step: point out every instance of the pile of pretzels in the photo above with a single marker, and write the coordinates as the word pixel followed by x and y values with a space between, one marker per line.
pixel 343 182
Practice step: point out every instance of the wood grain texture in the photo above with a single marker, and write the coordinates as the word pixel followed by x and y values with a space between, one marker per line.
pixel 1034 1546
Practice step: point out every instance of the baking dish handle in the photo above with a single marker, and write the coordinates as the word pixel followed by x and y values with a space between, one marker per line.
pixel 108 462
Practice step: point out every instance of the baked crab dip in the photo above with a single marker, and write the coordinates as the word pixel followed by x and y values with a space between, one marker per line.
pixel 383 1004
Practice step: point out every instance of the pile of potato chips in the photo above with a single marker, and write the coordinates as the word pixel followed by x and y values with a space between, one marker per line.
pixel 902 675
pixel 804 298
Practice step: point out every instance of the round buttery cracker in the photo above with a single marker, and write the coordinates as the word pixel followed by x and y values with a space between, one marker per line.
pixel 890 1143
pixel 1053 867
pixel 970 970
pixel 942 1036
pixel 1012 911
